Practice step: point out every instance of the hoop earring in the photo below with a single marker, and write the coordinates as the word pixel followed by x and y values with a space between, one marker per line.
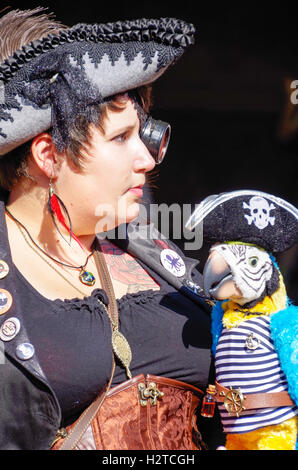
pixel 56 206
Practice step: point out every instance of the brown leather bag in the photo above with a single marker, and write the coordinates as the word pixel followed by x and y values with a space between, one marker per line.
pixel 144 413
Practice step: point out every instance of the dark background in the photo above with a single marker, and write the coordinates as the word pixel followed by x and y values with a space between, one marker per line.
pixel 227 99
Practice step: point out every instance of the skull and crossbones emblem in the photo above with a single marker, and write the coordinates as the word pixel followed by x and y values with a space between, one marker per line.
pixel 259 212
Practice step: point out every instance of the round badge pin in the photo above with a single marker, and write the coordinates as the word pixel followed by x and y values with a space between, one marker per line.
pixel 9 329
pixel 25 351
pixel 172 262
pixel 4 269
pixel 5 301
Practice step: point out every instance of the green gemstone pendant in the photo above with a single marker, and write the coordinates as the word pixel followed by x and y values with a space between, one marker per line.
pixel 87 278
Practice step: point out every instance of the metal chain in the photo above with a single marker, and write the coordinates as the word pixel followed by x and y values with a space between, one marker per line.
pixel 48 263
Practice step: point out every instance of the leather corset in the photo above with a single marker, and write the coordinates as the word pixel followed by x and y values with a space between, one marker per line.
pixel 145 413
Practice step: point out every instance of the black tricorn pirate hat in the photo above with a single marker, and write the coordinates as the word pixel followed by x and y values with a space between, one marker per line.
pixel 47 82
pixel 249 216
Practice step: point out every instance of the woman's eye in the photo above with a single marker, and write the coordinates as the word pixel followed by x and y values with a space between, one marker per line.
pixel 121 137
pixel 253 261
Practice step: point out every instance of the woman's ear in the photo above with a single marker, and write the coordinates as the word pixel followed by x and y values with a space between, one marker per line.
pixel 44 154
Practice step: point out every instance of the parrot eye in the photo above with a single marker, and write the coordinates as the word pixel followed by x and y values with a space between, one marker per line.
pixel 253 261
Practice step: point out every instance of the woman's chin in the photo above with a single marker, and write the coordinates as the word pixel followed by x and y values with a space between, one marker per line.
pixel 132 212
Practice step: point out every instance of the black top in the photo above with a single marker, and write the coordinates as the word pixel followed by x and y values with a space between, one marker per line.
pixel 168 333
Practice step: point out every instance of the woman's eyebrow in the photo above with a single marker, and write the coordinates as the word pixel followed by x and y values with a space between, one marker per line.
pixel 120 130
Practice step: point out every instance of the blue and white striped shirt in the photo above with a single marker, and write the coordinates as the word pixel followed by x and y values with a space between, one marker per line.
pixel 253 371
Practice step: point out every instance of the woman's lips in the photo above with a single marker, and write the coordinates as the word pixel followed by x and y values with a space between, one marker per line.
pixel 137 191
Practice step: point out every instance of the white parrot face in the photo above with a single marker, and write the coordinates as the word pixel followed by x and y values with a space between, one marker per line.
pixel 247 269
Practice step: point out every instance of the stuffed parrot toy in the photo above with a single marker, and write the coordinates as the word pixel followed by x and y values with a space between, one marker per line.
pixel 254 324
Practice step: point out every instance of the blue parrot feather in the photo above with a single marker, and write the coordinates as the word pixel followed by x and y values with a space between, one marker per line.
pixel 284 333
pixel 216 324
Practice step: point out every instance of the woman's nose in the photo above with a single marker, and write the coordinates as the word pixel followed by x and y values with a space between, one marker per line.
pixel 143 160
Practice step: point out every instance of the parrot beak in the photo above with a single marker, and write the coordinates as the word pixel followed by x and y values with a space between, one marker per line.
pixel 218 278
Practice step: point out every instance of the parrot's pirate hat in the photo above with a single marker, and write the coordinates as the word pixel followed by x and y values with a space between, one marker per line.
pixel 49 81
pixel 247 216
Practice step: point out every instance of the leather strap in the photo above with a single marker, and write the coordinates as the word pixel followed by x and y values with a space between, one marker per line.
pixel 257 400
pixel 87 416
pixel 85 419
pixel 106 283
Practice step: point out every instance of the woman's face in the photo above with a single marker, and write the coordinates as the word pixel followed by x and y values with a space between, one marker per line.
pixel 108 191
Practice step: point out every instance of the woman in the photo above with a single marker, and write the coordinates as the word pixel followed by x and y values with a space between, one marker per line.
pixel 74 162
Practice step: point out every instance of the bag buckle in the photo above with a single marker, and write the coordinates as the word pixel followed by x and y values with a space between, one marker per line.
pixel 149 393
